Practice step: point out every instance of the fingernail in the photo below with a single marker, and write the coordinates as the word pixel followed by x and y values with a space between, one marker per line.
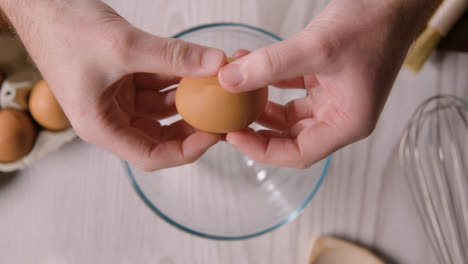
pixel 233 75
pixel 212 59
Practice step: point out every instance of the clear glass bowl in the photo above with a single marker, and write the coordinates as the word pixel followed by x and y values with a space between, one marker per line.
pixel 225 195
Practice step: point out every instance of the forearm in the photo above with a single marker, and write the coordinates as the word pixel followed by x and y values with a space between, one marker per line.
pixel 31 18
pixel 48 28
pixel 408 16
pixel 389 22
pixel 23 11
pixel 20 12
pixel 414 13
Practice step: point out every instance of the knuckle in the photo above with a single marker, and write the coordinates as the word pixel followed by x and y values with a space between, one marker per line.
pixel 363 127
pixel 303 164
pixel 368 129
pixel 147 162
pixel 174 52
pixel 190 159
pixel 147 167
pixel 119 44
pixel 271 60
pixel 83 132
pixel 321 46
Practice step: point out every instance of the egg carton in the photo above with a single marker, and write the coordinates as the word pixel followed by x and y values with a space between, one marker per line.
pixel 46 142
pixel 21 76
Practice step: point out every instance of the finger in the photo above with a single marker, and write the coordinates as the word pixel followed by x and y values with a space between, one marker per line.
pixel 178 134
pixel 297 82
pixel 146 151
pixel 157 82
pixel 149 126
pixel 155 104
pixel 274 117
pixel 271 133
pixel 262 148
pixel 176 152
pixel 282 117
pixel 309 81
pixel 314 143
pixel 240 53
pixel 179 130
pixel 301 54
pixel 294 83
pixel 153 54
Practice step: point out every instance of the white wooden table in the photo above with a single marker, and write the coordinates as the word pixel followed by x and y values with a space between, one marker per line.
pixel 77 206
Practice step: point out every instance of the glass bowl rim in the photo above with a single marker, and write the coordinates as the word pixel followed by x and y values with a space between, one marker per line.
pixel 172 222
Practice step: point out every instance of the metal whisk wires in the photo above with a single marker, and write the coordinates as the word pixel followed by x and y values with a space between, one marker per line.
pixel 434 155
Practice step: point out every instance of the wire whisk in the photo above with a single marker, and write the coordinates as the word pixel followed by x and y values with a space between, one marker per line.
pixel 434 155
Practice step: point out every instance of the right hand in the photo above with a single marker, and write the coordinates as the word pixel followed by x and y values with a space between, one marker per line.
pixel 108 75
pixel 346 60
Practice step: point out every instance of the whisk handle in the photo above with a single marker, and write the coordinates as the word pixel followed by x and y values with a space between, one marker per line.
pixel 447 15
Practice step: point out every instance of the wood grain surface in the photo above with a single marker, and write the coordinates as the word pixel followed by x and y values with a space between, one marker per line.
pixel 77 206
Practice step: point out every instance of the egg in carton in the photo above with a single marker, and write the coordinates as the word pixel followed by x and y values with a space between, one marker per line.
pixel 20 78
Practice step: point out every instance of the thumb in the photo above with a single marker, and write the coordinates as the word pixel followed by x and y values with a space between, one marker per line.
pixel 153 54
pixel 299 55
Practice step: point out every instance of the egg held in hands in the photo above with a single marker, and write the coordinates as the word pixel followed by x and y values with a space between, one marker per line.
pixel 207 106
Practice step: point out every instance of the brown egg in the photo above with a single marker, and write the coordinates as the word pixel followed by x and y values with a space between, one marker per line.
pixel 17 135
pixel 45 109
pixel 205 105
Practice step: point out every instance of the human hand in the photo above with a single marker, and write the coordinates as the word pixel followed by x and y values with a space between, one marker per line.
pixel 346 59
pixel 108 75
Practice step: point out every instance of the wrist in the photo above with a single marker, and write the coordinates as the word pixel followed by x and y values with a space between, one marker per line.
pixel 405 18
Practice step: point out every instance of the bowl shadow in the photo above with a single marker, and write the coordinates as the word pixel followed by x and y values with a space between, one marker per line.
pixel 7 178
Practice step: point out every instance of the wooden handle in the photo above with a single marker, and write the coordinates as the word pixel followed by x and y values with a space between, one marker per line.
pixel 457 38
pixel 447 15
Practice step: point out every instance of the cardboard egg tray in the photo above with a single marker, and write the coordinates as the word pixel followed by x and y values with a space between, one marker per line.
pixel 19 76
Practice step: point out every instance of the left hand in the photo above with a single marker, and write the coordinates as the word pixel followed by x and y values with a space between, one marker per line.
pixel 109 78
